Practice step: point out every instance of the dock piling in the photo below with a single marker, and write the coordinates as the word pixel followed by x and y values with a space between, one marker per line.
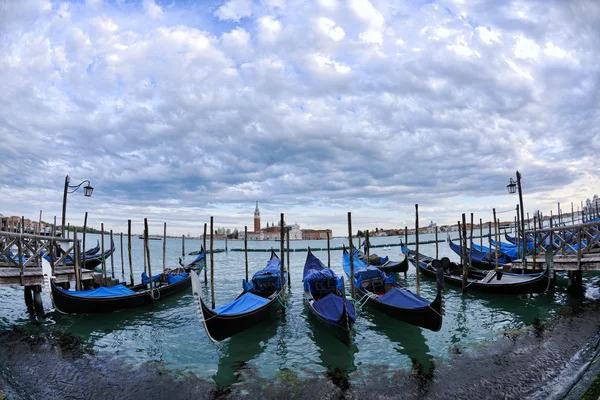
pixel 351 254
pixel 417 247
pixel 212 266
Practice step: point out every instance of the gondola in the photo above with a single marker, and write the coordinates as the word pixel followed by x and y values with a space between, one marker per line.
pixel 374 288
pixel 324 295
pixel 488 281
pixel 118 297
pixel 214 251
pixel 383 263
pixel 252 306
pixel 480 259
pixel 199 262
pixel 93 250
pixel 91 261
pixel 515 241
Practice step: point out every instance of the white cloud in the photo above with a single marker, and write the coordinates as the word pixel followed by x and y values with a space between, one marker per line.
pixel 526 48
pixel 234 10
pixel 554 51
pixel 487 35
pixel 372 37
pixel 329 28
pixel 269 107
pixel 269 29
pixel 153 10
pixel 94 4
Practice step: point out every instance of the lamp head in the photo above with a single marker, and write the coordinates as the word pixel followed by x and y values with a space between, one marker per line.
pixel 512 186
pixel 87 190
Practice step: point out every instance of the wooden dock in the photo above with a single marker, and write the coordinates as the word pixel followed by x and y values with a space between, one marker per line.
pixel 588 262
pixel 33 276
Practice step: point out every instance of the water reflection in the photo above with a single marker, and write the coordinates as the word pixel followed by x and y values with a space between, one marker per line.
pixel 236 352
pixel 409 341
pixel 335 356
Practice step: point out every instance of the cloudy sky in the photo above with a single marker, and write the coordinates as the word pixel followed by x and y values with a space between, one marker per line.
pixel 179 110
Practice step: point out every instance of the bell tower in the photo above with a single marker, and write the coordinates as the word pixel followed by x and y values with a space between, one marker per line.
pixel 256 219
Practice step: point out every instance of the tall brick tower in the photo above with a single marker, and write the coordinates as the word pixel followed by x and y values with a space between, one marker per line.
pixel 256 219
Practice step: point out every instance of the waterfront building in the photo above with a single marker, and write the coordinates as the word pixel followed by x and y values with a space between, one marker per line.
pixel 315 234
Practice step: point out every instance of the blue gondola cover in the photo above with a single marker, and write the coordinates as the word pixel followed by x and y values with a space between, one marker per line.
pixel 331 307
pixel 246 302
pixel 404 299
pixel 266 278
pixel 146 278
pixel 312 276
pixel 101 292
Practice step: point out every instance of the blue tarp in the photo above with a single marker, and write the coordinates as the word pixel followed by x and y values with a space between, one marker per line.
pixel 481 256
pixel 312 263
pixel 146 278
pixel 198 261
pixel 403 298
pixel 176 278
pixel 263 280
pixel 315 275
pixel 111 291
pixel 155 278
pixel 331 307
pixel 361 271
pixel 246 302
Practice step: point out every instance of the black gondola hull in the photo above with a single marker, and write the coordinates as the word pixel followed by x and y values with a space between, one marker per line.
pixel 396 266
pixel 429 317
pixel 66 303
pixel 537 285
pixel 340 330
pixel 220 327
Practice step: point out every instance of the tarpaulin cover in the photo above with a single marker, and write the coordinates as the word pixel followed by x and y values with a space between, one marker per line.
pixel 312 263
pixel 403 298
pixel 312 276
pixel 331 307
pixel 480 256
pixel 111 291
pixel 263 279
pixel 176 278
pixel 245 303
pixel 146 278
pixel 198 261
pixel 360 269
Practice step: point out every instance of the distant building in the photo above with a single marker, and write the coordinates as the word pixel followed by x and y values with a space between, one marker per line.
pixel 315 234
pixel 432 227
pixel 256 219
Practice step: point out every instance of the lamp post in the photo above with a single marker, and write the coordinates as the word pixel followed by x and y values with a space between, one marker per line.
pixel 87 192
pixel 512 186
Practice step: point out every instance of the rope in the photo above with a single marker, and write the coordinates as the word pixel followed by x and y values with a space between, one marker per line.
pixel 152 295
pixel 280 301
pixel 433 309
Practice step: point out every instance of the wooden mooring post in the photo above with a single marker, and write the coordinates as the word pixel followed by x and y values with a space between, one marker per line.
pixel 351 254
pixel 328 251
pixel 282 261
pixel 212 266
pixel 204 245
pixel 112 258
pixel 417 249
pixel 246 249
pixel 129 250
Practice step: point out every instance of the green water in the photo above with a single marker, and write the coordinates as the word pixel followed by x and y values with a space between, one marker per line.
pixel 171 333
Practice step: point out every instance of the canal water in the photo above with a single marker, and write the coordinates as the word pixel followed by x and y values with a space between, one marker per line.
pixel 171 335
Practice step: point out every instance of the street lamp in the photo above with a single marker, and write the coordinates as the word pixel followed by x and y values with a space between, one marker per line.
pixel 512 186
pixel 87 192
